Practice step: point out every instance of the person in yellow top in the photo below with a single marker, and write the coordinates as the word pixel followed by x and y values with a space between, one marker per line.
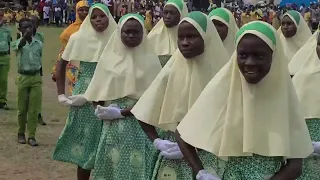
pixel 307 16
pixel 33 12
pixel 8 16
pixel 253 15
pixel 148 22
pixel 245 17
pixel 18 15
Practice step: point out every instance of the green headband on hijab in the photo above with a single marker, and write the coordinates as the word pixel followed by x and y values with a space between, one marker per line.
pixel 220 12
pixel 100 6
pixel 200 18
pixel 260 27
pixel 178 3
pixel 134 16
pixel 295 15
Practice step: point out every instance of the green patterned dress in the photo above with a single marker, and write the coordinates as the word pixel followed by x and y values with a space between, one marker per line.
pixel 164 59
pixel 124 152
pixel 79 140
pixel 311 165
pixel 168 169
pixel 254 167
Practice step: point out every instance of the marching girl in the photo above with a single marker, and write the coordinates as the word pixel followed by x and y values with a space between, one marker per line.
pixel 248 114
pixel 79 140
pixel 199 56
pixel 125 70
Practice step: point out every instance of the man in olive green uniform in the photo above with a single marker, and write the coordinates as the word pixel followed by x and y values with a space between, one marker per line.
pixel 29 53
pixel 5 38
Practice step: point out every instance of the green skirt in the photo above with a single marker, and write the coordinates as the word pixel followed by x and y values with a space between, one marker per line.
pixel 254 167
pixel 167 169
pixel 79 140
pixel 124 151
pixel 311 165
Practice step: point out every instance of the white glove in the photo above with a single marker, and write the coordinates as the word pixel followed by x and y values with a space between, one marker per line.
pixel 316 146
pixel 62 98
pixel 205 175
pixel 108 113
pixel 163 145
pixel 77 100
pixel 172 153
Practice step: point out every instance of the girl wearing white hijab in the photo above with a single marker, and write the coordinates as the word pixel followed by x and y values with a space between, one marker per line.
pixel 199 57
pixel 227 27
pixel 306 82
pixel 294 32
pixel 79 140
pixel 164 34
pixel 299 58
pixel 249 114
pixel 125 70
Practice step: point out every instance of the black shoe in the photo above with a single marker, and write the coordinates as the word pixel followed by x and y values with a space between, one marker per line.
pixel 32 142
pixel 4 106
pixel 21 138
pixel 41 121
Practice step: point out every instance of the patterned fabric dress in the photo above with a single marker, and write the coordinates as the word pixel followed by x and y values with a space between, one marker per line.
pixel 167 169
pixel 79 140
pixel 311 165
pixel 164 59
pixel 252 167
pixel 124 152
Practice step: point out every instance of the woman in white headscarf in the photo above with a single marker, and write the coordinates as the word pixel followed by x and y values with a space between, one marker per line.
pixel 164 34
pixel 79 140
pixel 306 82
pixel 294 32
pixel 227 27
pixel 125 70
pixel 199 56
pixel 249 114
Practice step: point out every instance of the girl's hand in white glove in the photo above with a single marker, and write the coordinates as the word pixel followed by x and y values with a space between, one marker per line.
pixel 62 98
pixel 163 145
pixel 77 100
pixel 205 175
pixel 108 113
pixel 172 153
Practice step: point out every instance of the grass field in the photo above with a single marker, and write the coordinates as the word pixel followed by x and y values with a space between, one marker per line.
pixel 22 162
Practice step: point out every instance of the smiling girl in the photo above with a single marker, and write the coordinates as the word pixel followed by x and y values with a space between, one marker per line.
pixel 199 56
pixel 79 140
pixel 127 67
pixel 294 33
pixel 248 114
pixel 164 34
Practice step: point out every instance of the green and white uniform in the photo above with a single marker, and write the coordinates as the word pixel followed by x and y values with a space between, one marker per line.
pixel 5 39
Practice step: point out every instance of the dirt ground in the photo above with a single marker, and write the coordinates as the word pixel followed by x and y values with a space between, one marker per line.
pixel 22 162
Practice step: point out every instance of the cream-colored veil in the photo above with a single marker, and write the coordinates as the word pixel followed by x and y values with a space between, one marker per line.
pixel 225 16
pixel 123 71
pixel 164 39
pixel 293 44
pixel 87 44
pixel 307 79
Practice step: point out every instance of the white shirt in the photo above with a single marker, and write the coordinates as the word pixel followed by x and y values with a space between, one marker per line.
pixel 46 11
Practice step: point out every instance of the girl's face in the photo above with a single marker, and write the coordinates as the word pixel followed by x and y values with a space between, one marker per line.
pixel 190 42
pixel 318 46
pixel 254 58
pixel 288 28
pixel 83 12
pixel 99 20
pixel 221 28
pixel 131 33
pixel 171 16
